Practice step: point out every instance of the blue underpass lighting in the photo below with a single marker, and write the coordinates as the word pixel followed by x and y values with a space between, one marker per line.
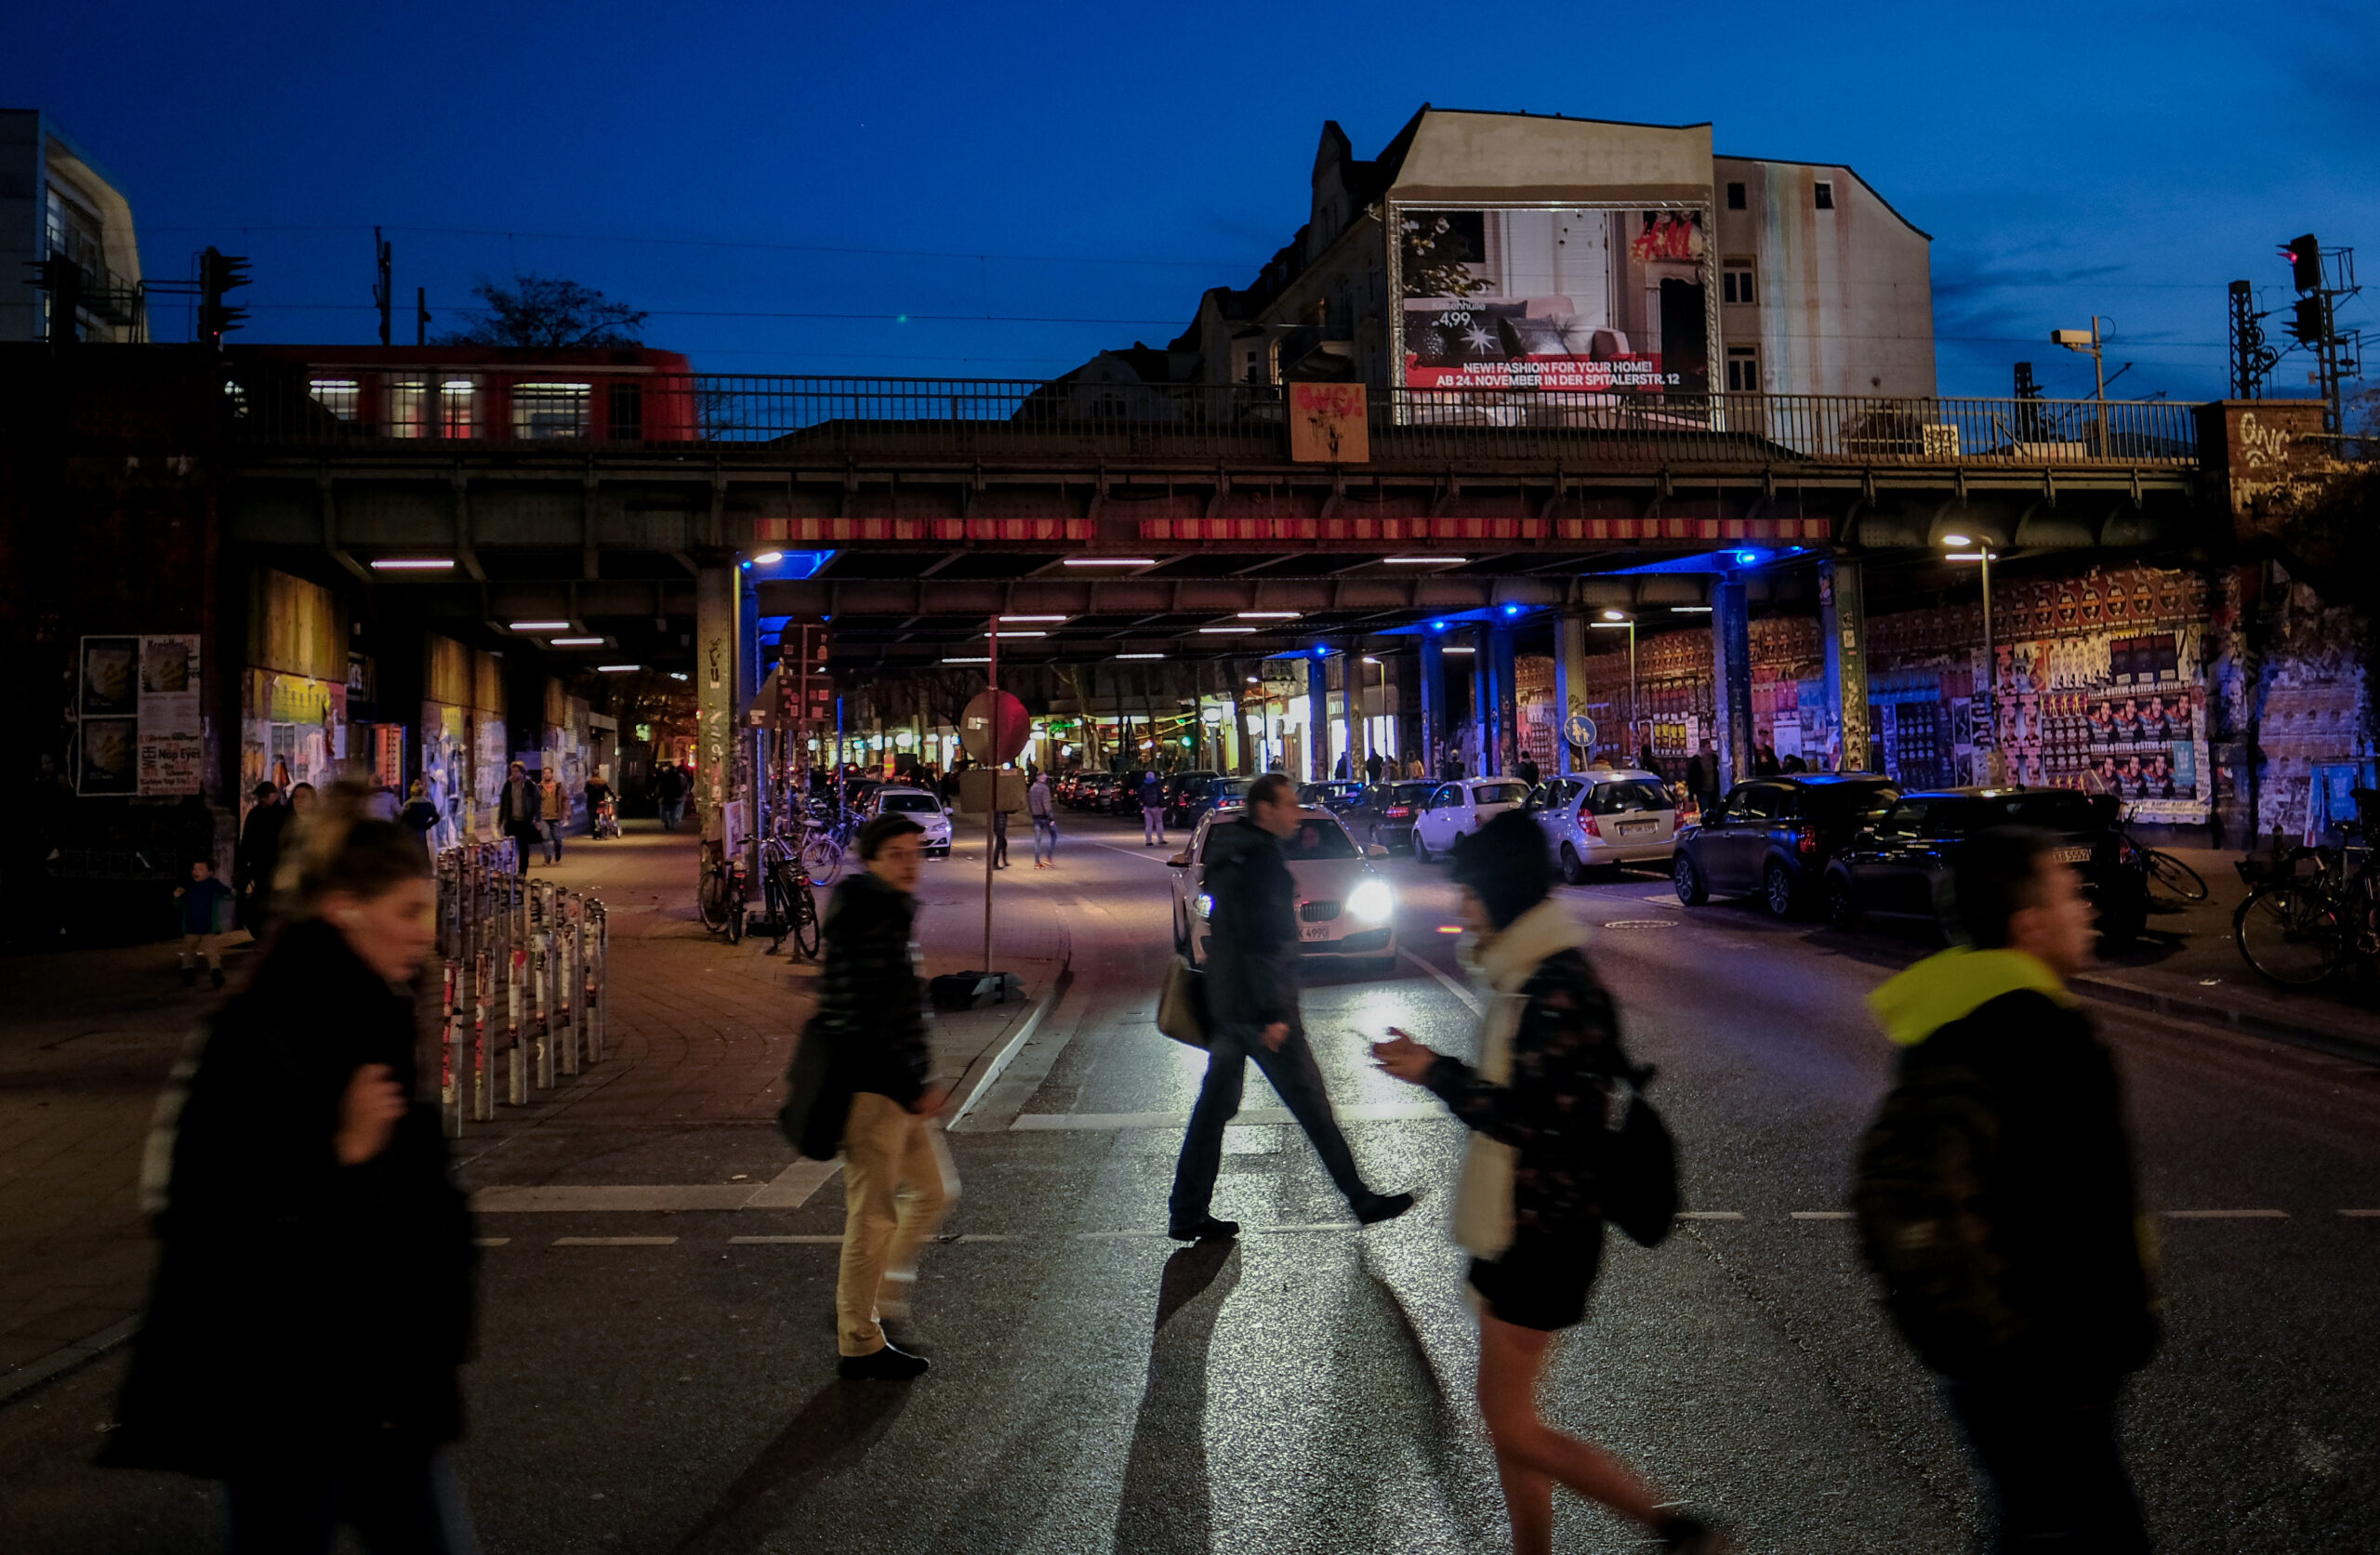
pixel 1747 556
pixel 1437 625
pixel 1512 610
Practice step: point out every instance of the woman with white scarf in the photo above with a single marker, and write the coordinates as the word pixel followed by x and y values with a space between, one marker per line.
pixel 1530 1210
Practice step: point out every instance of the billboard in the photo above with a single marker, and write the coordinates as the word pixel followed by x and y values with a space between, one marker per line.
pixel 1598 298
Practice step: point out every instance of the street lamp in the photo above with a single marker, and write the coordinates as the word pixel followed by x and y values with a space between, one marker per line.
pixel 1615 620
pixel 2092 343
pixel 1982 555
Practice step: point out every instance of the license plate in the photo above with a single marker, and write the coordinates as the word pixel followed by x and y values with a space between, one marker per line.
pixel 1314 931
pixel 2072 855
pixel 1637 829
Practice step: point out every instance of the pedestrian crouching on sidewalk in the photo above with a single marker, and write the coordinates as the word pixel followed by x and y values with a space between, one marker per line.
pixel 1252 999
pixel 206 910
pixel 312 1302
pixel 897 1177
pixel 1530 1210
pixel 1996 1205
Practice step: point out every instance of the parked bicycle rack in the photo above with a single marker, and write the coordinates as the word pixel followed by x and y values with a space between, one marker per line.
pixel 523 985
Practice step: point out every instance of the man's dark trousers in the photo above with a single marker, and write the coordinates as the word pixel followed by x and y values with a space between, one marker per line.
pixel 2046 1447
pixel 1297 1078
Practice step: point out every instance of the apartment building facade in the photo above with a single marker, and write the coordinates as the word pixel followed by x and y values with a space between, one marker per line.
pixel 55 203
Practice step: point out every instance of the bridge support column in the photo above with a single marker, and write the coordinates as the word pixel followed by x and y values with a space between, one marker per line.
pixel 1731 676
pixel 1569 678
pixel 1352 680
pixel 1504 718
pixel 717 652
pixel 1433 700
pixel 1843 621
pixel 1317 716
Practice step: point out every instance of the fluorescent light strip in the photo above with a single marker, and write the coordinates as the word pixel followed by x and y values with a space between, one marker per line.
pixel 1222 631
pixel 575 641
pixel 1111 562
pixel 1020 634
pixel 1008 618
pixel 979 659
pixel 1139 656
pixel 1955 556
pixel 1268 616
pixel 541 626
pixel 1457 648
pixel 413 564
pixel 1690 610
pixel 1421 561
pixel 618 670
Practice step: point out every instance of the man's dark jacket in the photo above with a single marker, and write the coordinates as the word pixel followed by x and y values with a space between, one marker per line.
pixel 871 1001
pixel 259 850
pixel 300 1305
pixel 1252 973
pixel 519 806
pixel 1995 1191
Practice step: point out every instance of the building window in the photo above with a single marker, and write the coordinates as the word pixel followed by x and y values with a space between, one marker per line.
pixel 457 414
pixel 408 408
pixel 1826 195
pixel 1735 197
pixel 1735 282
pixel 341 397
pixel 550 409
pixel 1743 369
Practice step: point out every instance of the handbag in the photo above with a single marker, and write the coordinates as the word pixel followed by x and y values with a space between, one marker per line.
pixel 1640 1166
pixel 1182 1004
pixel 817 1096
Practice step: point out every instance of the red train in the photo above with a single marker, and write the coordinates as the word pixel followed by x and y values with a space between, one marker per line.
pixel 481 394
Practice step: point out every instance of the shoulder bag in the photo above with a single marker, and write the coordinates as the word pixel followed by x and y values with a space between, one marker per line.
pixel 1182 1004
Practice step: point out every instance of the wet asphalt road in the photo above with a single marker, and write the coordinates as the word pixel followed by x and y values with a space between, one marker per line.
pixel 1097 1389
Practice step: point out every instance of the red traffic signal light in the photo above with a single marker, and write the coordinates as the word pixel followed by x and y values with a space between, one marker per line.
pixel 2304 256
pixel 218 273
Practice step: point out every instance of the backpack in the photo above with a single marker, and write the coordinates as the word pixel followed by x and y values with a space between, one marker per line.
pixel 1639 1165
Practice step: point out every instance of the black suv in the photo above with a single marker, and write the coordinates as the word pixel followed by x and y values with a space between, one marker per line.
pixel 1774 837
pixel 1900 867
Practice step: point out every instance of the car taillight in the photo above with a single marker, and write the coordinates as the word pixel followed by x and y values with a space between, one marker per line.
pixel 1587 824
pixel 1809 841
pixel 1397 812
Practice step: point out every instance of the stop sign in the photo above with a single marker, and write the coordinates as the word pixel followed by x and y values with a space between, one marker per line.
pixel 994 728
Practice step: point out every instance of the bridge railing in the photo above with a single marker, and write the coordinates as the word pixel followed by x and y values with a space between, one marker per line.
pixel 428 411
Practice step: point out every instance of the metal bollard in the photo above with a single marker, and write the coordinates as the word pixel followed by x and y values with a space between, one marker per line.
pixel 596 999
pixel 542 958
pixel 565 975
pixel 450 1055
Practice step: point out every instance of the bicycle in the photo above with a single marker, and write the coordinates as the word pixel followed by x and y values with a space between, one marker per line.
pixel 2162 869
pixel 792 908
pixel 719 896
pixel 2296 929
pixel 826 845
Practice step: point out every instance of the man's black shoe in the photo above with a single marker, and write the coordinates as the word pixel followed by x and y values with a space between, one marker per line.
pixel 1208 1230
pixel 1384 1206
pixel 889 1364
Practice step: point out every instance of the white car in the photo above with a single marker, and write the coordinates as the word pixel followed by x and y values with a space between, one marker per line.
pixel 1461 808
pixel 1604 817
pixel 920 806
pixel 1344 907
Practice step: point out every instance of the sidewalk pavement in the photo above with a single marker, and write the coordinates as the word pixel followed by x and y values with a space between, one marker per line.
pixel 2187 967
pixel 698 1036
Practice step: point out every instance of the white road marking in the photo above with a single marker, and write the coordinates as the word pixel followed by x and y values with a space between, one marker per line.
pixel 767 1241
pixel 1822 1215
pixel 791 1189
pixel 1113 1235
pixel 2227 1214
pixel 2361 1214
pixel 615 1241
pixel 1149 854
pixel 1317 1225
pixel 1470 1000
pixel 489 1241
pixel 1255 1117
pixel 1710 1214
pixel 988 1236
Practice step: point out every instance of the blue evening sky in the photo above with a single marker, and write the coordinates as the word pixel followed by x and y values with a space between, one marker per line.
pixel 780 184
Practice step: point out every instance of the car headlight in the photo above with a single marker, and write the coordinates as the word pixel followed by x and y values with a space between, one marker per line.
pixel 1203 904
pixel 1372 901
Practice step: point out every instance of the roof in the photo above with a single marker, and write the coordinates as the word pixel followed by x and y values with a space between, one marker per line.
pixel 1835 167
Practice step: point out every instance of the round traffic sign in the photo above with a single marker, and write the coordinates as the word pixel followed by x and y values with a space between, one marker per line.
pixel 978 735
pixel 1578 729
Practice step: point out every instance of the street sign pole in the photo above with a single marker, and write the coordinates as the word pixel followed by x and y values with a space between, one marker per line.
pixel 991 810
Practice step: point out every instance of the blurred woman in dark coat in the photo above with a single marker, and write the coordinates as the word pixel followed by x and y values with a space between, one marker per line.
pixel 313 1291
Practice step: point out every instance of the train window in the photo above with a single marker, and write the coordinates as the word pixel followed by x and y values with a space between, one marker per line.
pixel 550 409
pixel 408 408
pixel 341 397
pixel 458 410
pixel 626 409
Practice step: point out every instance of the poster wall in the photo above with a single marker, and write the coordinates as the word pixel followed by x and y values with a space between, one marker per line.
pixel 1596 298
pixel 2119 713
pixel 293 729
pixel 136 699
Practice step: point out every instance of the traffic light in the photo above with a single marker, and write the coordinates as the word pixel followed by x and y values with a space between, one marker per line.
pixel 2304 256
pixel 2310 322
pixel 62 278
pixel 218 273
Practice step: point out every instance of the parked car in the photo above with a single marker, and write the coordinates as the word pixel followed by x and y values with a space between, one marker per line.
pixel 1774 837
pixel 1603 819
pixel 1183 793
pixel 1124 799
pixel 1090 791
pixel 920 806
pixel 1345 907
pixel 1385 818
pixel 1223 794
pixel 1460 807
pixel 1899 867
pixel 1338 796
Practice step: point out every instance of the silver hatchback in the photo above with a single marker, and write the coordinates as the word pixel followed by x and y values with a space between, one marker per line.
pixel 1599 819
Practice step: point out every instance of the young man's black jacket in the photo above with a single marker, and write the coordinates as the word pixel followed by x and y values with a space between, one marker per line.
pixel 871 1001
pixel 1251 971
pixel 300 1305
pixel 1995 1192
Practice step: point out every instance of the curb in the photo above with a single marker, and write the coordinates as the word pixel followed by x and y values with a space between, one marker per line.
pixel 67 1358
pixel 2201 1012
pixel 983 1077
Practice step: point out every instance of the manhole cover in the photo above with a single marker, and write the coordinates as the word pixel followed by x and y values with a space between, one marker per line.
pixel 1642 923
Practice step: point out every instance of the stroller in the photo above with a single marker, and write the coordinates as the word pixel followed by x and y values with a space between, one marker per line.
pixel 606 821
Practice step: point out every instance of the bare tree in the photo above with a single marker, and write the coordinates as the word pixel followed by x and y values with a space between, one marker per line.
pixel 548 311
